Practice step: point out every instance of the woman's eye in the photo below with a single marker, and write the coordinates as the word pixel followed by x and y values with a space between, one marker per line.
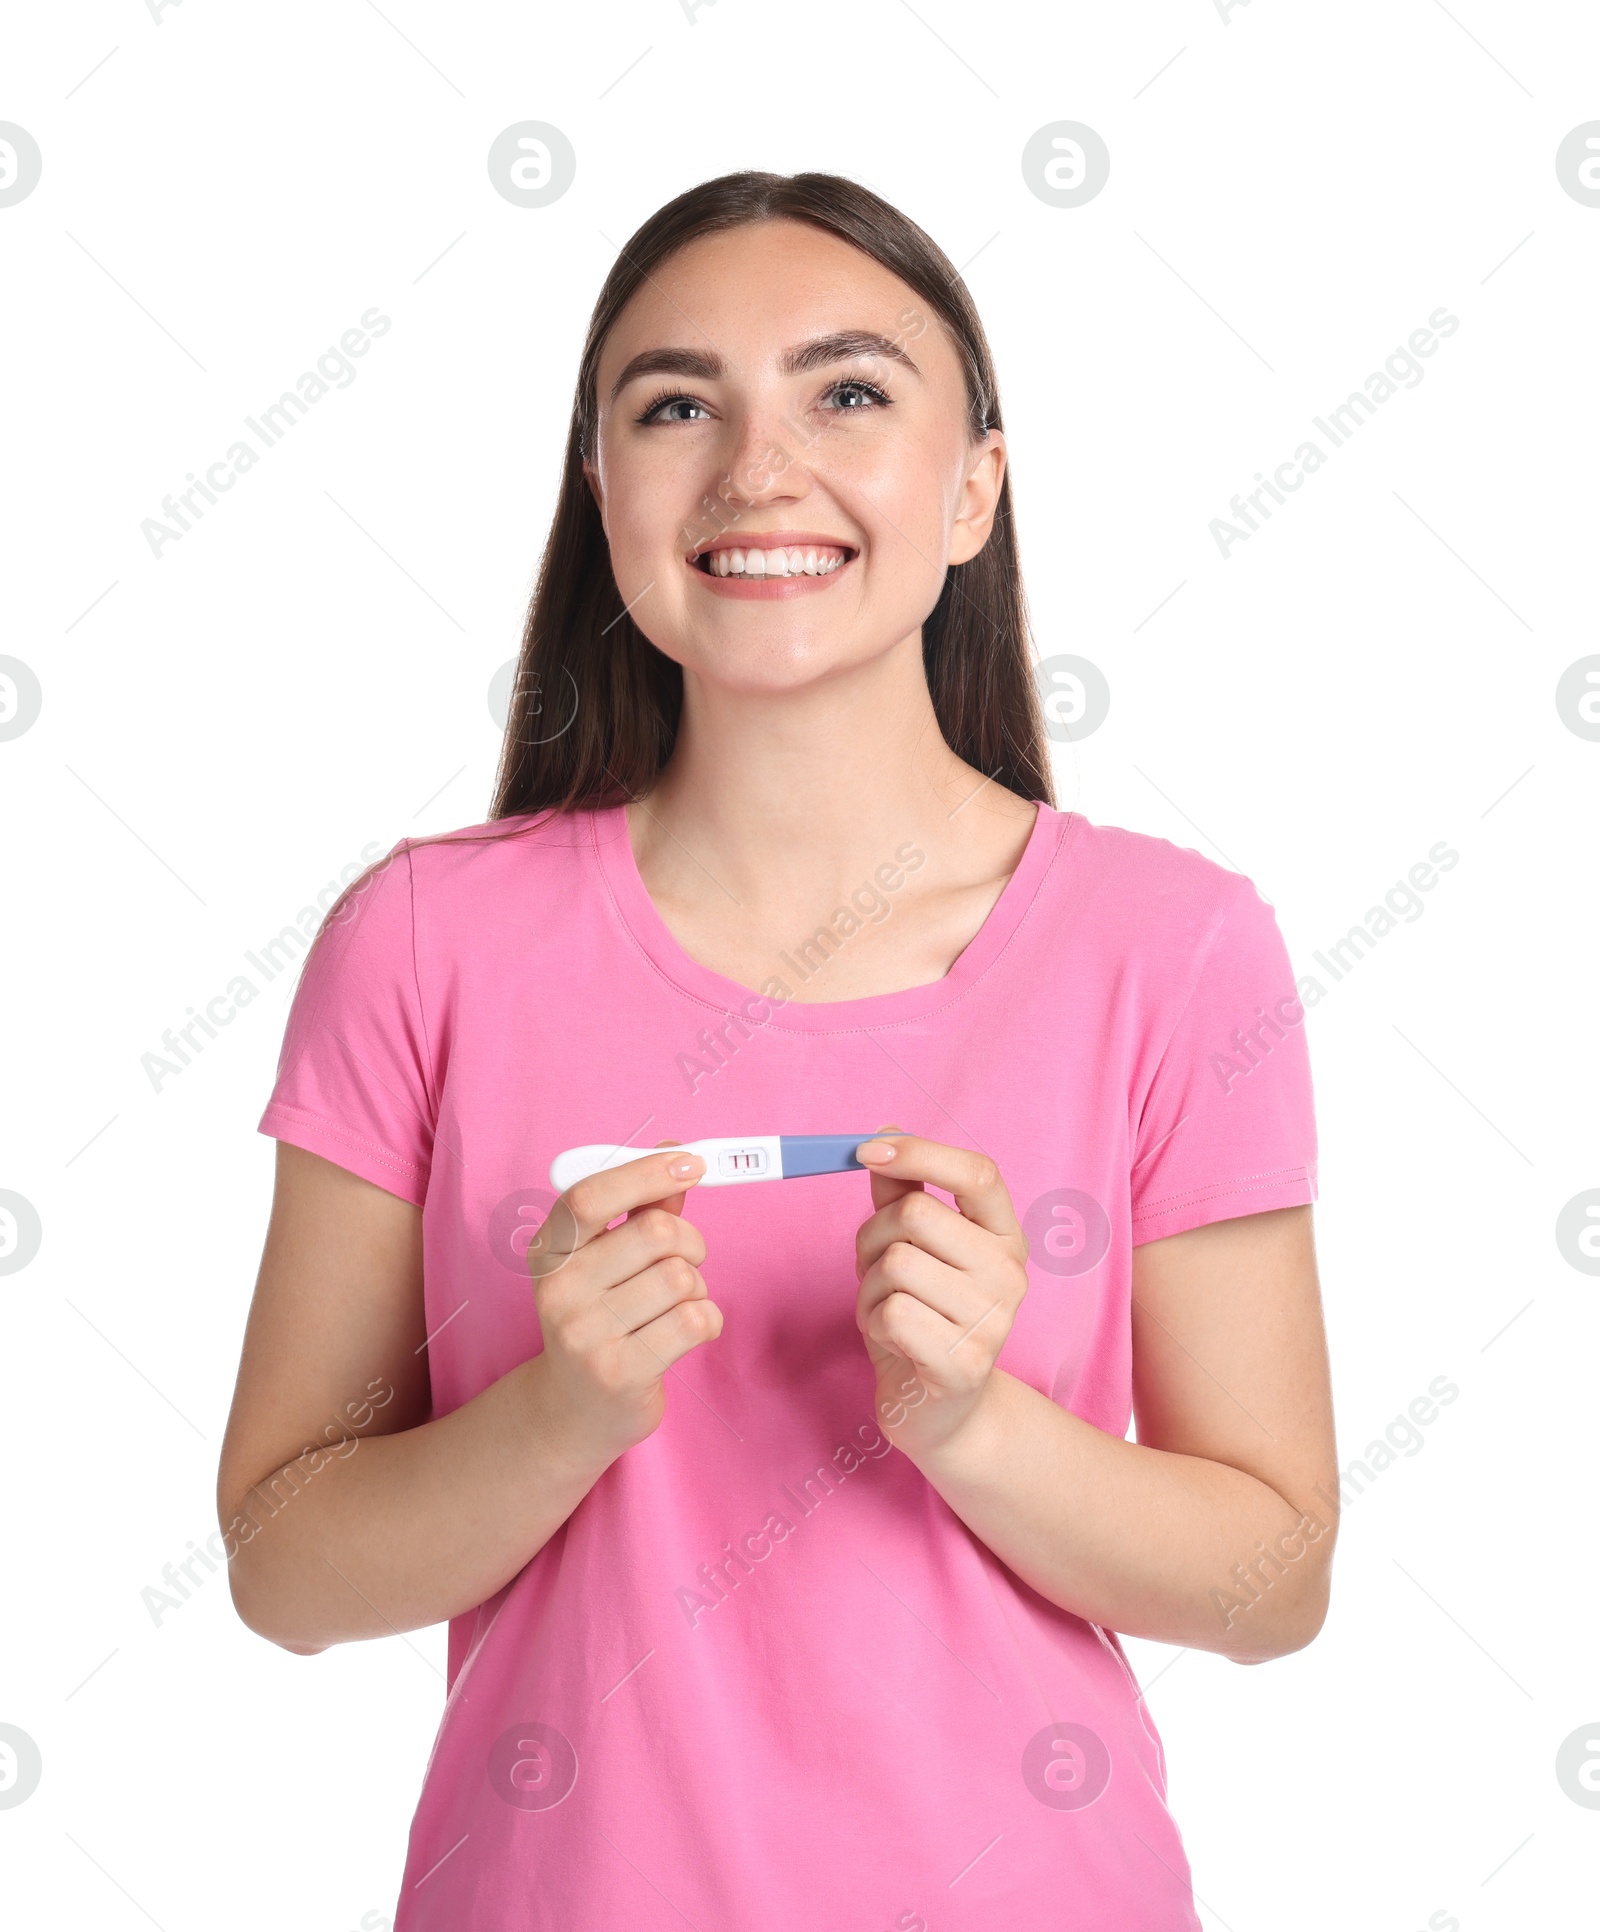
pixel 865 395
pixel 659 410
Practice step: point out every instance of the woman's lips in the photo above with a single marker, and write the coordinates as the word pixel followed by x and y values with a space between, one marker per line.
pixel 808 563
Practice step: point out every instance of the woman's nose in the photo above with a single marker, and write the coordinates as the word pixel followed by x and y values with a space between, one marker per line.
pixel 766 458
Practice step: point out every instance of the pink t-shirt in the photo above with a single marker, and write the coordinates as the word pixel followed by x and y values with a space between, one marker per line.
pixel 764 1675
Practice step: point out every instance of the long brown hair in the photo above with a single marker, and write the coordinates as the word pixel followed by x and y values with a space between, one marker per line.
pixel 595 706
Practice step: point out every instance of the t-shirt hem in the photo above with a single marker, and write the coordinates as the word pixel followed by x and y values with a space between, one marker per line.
pixel 346 1149
pixel 1250 1194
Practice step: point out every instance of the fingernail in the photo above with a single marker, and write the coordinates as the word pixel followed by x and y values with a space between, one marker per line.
pixel 876 1151
pixel 681 1169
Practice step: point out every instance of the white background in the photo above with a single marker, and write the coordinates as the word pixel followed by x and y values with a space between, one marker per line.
pixel 1292 192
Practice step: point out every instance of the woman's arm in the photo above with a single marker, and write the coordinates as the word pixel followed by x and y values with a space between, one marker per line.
pixel 1216 1528
pixel 345 1512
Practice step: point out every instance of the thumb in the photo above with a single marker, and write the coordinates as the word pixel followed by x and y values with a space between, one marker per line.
pixel 886 1190
pixel 673 1203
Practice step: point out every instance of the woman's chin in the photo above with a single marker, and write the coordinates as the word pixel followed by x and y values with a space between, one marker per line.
pixel 775 666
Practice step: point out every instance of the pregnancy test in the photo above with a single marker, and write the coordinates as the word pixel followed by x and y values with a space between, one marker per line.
pixel 757 1157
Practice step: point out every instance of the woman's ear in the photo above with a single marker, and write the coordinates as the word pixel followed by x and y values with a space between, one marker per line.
pixel 591 476
pixel 980 498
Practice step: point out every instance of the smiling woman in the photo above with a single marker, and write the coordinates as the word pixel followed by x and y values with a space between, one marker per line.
pixel 782 592
pixel 878 367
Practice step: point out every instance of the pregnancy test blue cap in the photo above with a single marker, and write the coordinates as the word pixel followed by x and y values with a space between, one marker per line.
pixel 819 1153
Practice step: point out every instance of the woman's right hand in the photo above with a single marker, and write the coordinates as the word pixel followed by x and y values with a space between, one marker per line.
pixel 618 1306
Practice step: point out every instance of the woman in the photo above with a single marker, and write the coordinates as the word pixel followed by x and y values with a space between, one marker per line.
pixel 785 1530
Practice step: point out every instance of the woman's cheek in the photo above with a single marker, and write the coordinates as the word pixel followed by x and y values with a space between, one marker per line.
pixel 911 533
pixel 638 552
pixel 908 567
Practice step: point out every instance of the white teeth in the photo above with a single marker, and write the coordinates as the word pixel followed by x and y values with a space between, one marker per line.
pixel 782 562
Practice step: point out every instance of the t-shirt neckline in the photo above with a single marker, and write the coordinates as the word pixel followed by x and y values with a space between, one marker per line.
pixel 655 939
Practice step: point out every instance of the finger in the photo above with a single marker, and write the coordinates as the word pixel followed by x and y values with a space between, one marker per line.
pixel 932 1317
pixel 569 1281
pixel 927 1222
pixel 904 1269
pixel 886 1191
pixel 648 1234
pixel 589 1205
pixel 655 1345
pixel 672 1335
pixel 907 1326
pixel 673 1203
pixel 971 1177
pixel 643 1297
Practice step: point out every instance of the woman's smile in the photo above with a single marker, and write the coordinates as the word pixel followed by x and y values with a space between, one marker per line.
pixel 771 564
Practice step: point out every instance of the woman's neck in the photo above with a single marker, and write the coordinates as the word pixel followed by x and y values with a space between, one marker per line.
pixel 775 806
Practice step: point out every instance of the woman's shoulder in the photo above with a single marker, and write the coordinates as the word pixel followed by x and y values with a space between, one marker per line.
pixel 1150 902
pixel 1157 917
pixel 479 856
pixel 1145 870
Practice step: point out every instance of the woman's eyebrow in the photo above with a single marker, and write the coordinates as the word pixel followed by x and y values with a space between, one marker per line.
pixel 840 347
pixel 695 364
pixel 707 366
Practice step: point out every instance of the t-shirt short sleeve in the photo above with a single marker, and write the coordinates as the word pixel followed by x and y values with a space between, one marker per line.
pixel 355 1079
pixel 1227 1125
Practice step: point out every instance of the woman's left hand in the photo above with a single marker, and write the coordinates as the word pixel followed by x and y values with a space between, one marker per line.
pixel 940 1286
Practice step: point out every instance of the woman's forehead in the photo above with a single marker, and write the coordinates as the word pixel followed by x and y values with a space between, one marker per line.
pixel 755 295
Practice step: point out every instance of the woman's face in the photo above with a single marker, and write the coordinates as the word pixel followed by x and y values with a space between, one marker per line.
pixel 774 399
